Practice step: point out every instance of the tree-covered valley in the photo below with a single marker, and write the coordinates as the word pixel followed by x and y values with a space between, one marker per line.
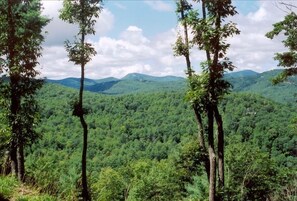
pixel 142 146
pixel 211 135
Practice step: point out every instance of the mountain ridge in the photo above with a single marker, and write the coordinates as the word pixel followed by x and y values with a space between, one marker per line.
pixel 242 81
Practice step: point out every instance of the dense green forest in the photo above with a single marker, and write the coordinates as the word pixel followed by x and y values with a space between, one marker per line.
pixel 143 147
pixel 213 136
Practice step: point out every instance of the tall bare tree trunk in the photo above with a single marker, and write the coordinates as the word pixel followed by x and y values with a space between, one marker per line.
pixel 13 158
pixel 17 161
pixel 14 104
pixel 85 190
pixel 202 141
pixel 21 161
pixel 219 121
pixel 211 155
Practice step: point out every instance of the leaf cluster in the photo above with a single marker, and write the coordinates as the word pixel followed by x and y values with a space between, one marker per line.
pixel 83 13
pixel 79 53
pixel 288 59
pixel 27 38
pixel 207 34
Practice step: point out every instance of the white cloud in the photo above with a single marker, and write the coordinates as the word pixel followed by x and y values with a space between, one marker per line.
pixel 134 35
pixel 251 49
pixel 160 5
pixel 133 51
pixel 105 22
pixel 59 31
pixel 258 16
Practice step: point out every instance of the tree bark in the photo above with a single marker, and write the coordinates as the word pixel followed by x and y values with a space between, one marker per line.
pixel 202 141
pixel 219 122
pixel 21 161
pixel 13 158
pixel 85 190
pixel 16 166
pixel 211 155
pixel 187 52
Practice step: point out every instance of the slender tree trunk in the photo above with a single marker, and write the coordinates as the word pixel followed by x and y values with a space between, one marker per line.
pixel 200 128
pixel 220 149
pixel 216 69
pixel 212 156
pixel 85 190
pixel 190 73
pixel 187 52
pixel 202 141
pixel 21 161
pixel 204 18
pixel 14 110
pixel 13 158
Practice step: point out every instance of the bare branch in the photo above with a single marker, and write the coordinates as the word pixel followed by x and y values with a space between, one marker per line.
pixel 286 7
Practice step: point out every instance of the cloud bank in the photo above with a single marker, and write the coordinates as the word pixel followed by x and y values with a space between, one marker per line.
pixel 132 51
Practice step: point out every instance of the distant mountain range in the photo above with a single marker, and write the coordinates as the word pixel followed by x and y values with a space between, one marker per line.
pixel 131 83
pixel 242 81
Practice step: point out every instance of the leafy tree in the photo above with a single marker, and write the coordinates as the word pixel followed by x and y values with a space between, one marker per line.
pixel 288 60
pixel 182 48
pixel 110 186
pixel 252 175
pixel 206 90
pixel 83 13
pixel 20 47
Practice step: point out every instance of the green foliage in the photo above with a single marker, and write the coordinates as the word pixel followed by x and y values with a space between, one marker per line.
pixel 159 183
pixel 20 47
pixel 140 180
pixel 198 189
pixel 110 185
pixel 251 174
pixel 84 14
pixel 189 161
pixel 288 59
pixel 128 131
pixel 274 135
pixel 197 94
pixel 7 185
pixel 11 189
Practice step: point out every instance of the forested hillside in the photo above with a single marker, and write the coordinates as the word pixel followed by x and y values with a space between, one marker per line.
pixel 248 81
pixel 142 146
pixel 212 135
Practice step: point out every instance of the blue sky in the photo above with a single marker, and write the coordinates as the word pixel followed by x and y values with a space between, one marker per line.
pixel 141 14
pixel 155 19
pixel 137 36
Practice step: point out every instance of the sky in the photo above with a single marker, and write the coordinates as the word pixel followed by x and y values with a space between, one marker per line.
pixel 137 36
